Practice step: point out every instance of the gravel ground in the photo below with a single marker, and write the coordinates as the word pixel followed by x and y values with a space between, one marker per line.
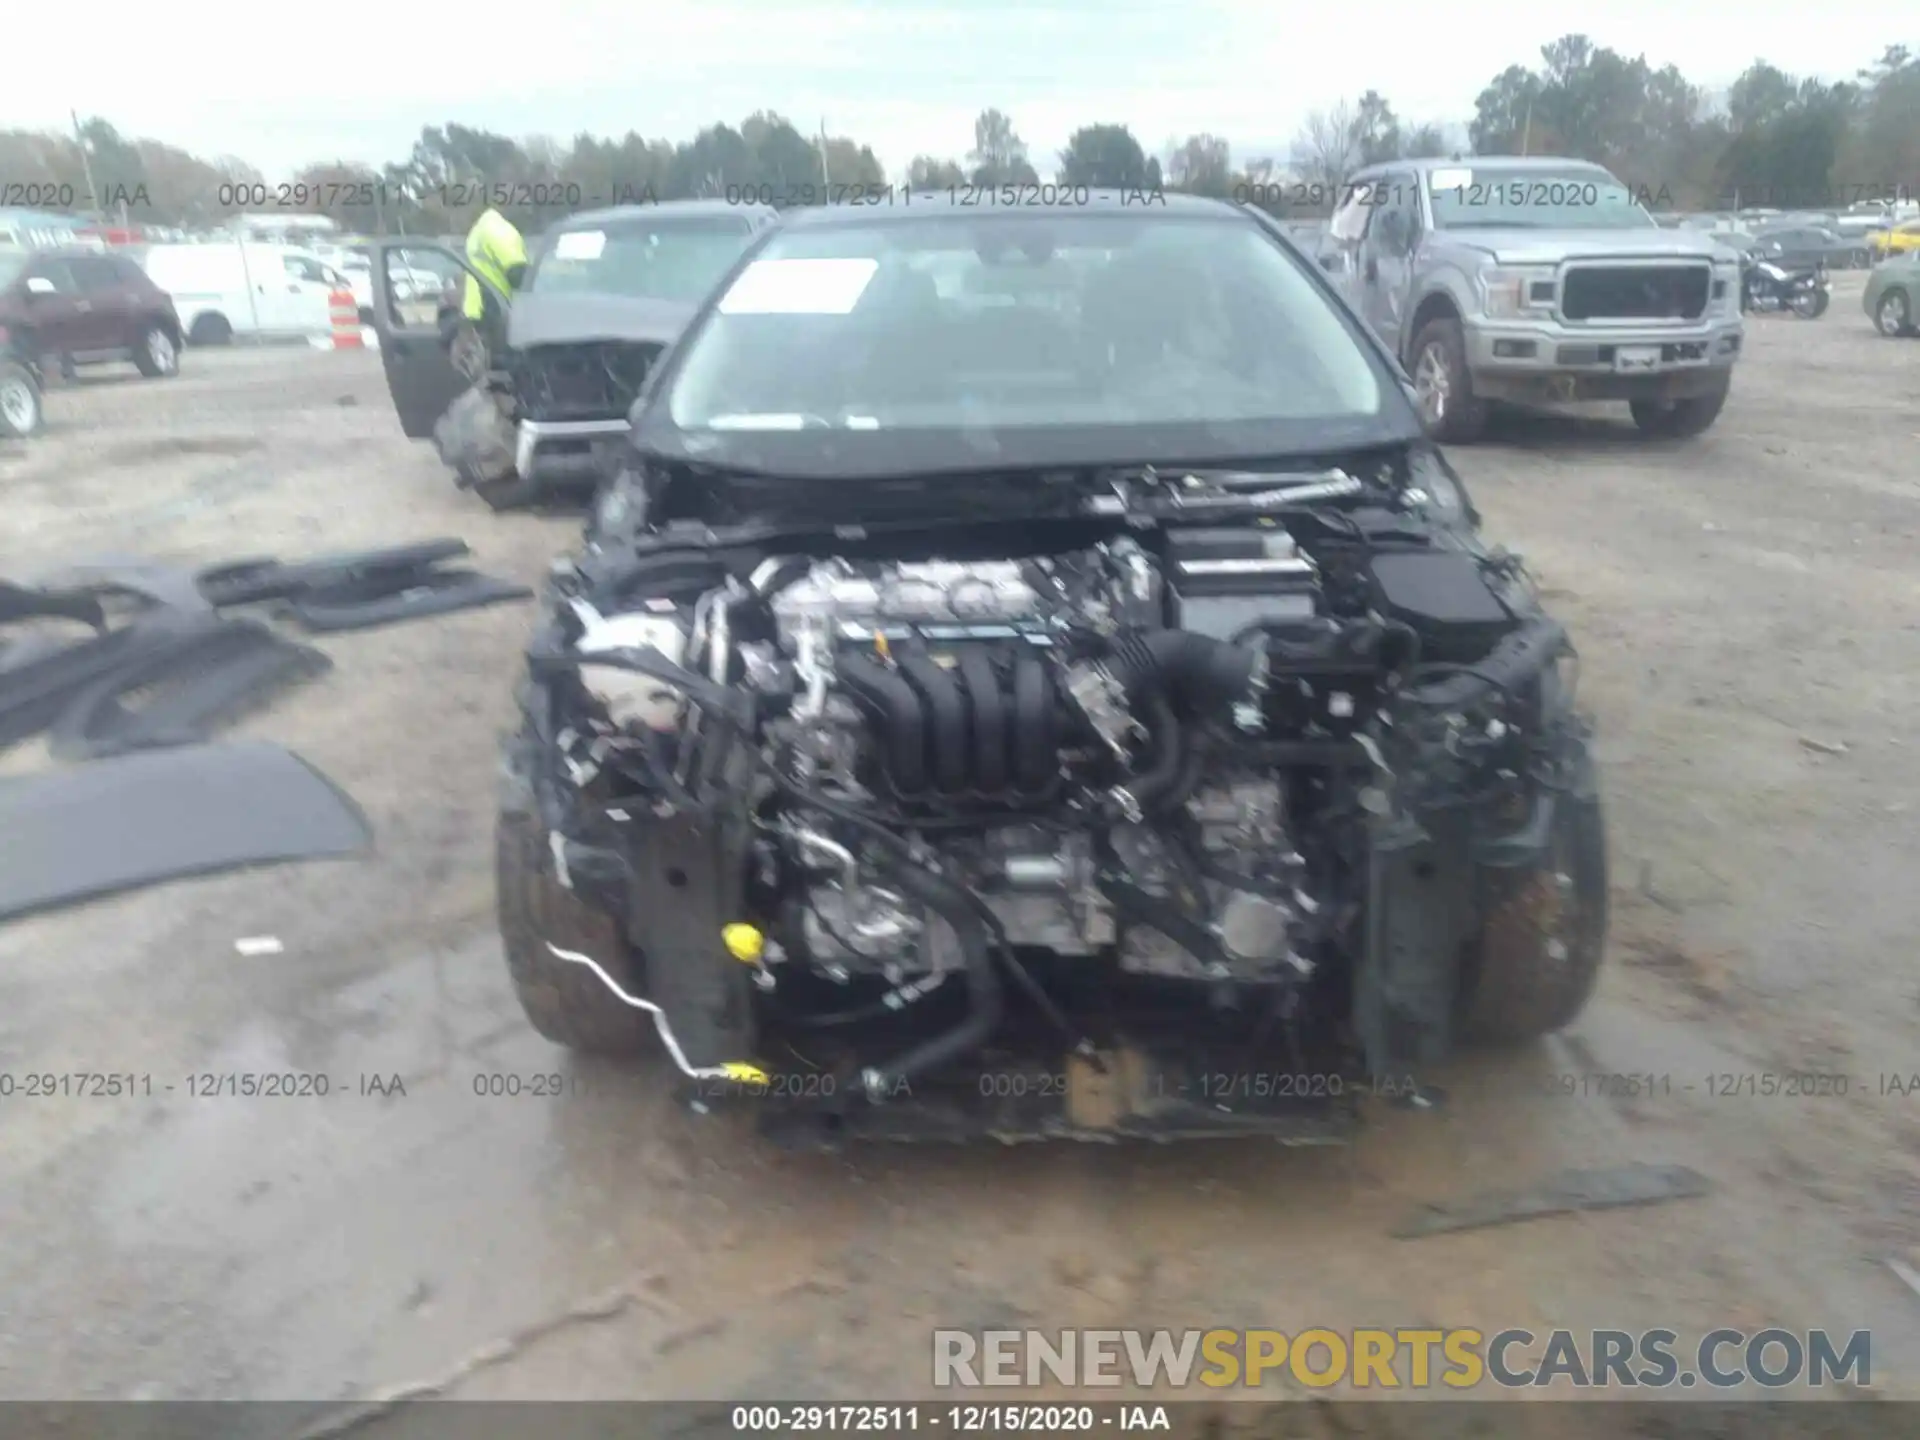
pixel 1749 619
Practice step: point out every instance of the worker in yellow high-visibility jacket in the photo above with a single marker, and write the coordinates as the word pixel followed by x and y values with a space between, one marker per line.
pixel 498 252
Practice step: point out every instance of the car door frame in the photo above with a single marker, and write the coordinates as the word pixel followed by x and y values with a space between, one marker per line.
pixel 76 330
pixel 112 318
pixel 1383 273
pixel 421 376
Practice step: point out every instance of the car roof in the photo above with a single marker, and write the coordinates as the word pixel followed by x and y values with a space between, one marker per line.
pixel 667 210
pixel 1560 163
pixel 959 200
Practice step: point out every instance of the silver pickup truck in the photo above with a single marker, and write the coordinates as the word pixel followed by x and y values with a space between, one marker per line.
pixel 1537 280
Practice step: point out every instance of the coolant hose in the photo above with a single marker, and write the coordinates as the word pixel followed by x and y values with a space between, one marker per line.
pixel 985 1000
pixel 1155 786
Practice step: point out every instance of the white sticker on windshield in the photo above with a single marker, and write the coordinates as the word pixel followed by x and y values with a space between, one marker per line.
pixel 799 287
pixel 579 245
pixel 1439 180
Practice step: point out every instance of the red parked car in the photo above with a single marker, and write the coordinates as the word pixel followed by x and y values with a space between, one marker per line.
pixel 83 307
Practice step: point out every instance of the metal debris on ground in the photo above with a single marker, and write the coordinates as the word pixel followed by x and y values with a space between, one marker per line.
pixel 1603 1189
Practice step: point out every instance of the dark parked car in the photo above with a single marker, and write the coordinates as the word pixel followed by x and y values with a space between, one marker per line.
pixel 1804 245
pixel 998 718
pixel 606 292
pixel 84 307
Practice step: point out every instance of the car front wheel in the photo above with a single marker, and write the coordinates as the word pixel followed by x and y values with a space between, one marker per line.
pixel 1894 314
pixel 564 1000
pixel 20 413
pixel 157 357
pixel 1443 385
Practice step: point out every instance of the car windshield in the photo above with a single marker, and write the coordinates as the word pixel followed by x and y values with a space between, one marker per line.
pixel 1577 198
pixel 650 260
pixel 1033 324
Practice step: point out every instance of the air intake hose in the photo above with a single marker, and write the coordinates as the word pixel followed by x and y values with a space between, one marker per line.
pixel 1197 673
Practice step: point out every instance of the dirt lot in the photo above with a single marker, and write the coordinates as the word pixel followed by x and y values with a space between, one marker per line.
pixel 1747 605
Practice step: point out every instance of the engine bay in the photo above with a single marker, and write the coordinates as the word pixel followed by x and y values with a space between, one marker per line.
pixel 1088 768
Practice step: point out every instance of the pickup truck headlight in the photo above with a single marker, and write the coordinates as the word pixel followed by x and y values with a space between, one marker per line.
pixel 1514 291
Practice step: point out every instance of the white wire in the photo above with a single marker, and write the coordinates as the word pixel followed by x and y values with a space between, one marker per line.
pixel 721 1072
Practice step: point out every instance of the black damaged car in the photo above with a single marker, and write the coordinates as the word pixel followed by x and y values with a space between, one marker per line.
pixel 1033 678
pixel 606 291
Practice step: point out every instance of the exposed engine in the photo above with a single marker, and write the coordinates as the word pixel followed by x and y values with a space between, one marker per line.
pixel 1198 755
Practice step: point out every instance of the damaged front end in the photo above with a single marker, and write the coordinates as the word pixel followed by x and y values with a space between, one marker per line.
pixel 572 400
pixel 1202 814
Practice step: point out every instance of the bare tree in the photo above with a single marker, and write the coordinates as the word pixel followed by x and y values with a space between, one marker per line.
pixel 1327 149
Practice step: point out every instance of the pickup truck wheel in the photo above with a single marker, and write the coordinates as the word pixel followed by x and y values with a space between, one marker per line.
pixel 1678 419
pixel 157 357
pixel 1894 314
pixel 562 999
pixel 20 412
pixel 1542 935
pixel 1444 385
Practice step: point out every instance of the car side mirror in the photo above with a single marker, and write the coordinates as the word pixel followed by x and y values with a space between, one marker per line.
pixel 40 285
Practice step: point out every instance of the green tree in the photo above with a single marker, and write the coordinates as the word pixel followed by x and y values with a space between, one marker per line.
pixel 928 173
pixel 1107 156
pixel 1203 165
pixel 1376 130
pixel 999 155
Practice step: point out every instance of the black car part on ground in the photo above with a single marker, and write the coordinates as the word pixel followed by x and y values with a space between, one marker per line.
pixel 38 687
pixel 137 820
pixel 210 666
pixel 245 582
pixel 202 675
pixel 19 602
pixel 364 604
pixel 1410 719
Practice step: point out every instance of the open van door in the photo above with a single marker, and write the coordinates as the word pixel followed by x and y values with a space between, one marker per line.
pixel 413 282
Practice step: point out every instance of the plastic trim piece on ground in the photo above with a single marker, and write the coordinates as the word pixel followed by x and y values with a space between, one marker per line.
pixel 212 672
pixel 139 820
pixel 246 582
pixel 37 686
pixel 433 592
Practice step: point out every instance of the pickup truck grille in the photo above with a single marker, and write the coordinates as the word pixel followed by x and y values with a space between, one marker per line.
pixel 1635 292
pixel 588 381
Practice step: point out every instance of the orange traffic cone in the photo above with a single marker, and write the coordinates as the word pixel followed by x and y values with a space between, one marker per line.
pixel 344 317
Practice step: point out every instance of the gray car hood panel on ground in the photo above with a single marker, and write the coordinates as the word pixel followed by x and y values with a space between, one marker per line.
pixel 120 824
pixel 1550 247
pixel 538 319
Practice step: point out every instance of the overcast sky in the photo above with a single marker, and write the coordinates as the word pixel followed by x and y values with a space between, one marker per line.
pixel 356 80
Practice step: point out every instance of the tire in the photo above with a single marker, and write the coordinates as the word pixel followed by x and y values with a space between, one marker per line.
pixel 1893 315
pixel 1815 307
pixel 510 492
pixel 562 1000
pixel 1680 419
pixel 210 329
pixel 157 356
pixel 20 411
pixel 1527 988
pixel 1440 375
